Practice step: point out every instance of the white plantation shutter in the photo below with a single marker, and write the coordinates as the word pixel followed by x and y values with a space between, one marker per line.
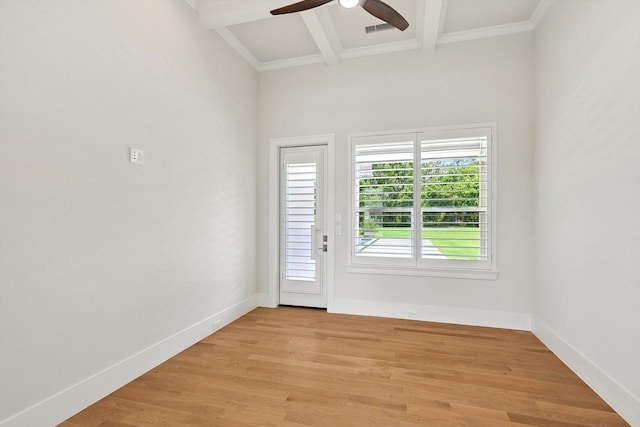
pixel 454 198
pixel 384 199
pixel 431 213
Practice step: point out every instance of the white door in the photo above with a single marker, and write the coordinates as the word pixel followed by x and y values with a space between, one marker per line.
pixel 303 240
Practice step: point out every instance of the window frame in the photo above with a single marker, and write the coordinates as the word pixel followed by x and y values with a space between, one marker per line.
pixel 416 265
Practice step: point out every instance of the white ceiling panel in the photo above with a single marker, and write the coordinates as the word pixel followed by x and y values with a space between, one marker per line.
pixel 276 38
pixel 463 15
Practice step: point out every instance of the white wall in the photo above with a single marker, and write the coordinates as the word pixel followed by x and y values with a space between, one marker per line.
pixel 587 157
pixel 102 261
pixel 471 82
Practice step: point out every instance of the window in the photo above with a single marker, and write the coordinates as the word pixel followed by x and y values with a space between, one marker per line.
pixel 422 201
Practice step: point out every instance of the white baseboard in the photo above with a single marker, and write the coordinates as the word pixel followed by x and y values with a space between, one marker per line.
pixel 72 400
pixel 460 316
pixel 619 398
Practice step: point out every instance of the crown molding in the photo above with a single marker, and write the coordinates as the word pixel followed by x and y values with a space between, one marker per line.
pixel 486 32
pixel 380 49
pixel 290 62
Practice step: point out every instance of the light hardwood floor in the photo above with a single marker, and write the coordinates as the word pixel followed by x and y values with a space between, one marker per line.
pixel 303 367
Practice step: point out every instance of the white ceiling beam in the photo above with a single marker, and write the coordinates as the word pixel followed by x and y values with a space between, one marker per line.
pixel 194 4
pixel 430 23
pixel 238 46
pixel 313 21
pixel 540 11
pixel 330 30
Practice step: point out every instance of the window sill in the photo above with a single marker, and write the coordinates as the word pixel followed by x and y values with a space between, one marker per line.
pixel 431 272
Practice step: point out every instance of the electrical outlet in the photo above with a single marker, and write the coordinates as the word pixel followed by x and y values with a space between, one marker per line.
pixel 136 156
pixel 413 315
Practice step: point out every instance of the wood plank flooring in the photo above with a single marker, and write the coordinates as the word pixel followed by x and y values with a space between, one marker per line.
pixel 296 367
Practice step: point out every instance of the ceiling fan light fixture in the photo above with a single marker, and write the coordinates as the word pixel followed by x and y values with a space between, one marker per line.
pixel 348 4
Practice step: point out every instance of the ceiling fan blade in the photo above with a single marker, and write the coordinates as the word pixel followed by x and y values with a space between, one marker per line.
pixel 299 7
pixel 386 13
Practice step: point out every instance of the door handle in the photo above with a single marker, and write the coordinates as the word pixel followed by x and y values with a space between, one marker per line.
pixel 315 246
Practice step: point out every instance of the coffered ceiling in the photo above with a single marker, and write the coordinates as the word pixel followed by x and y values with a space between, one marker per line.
pixel 333 34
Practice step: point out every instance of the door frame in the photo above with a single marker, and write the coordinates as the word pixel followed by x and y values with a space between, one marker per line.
pixel 273 296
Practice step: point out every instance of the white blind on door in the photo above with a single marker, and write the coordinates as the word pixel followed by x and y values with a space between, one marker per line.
pixel 300 213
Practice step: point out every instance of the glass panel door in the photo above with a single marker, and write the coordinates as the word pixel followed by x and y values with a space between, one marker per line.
pixel 302 236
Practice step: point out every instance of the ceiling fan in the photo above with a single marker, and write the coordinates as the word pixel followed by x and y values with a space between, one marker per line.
pixel 376 8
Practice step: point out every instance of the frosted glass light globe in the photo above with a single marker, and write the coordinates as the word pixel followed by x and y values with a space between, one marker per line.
pixel 348 3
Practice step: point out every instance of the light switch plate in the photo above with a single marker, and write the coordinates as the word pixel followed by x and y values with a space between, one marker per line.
pixel 136 156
